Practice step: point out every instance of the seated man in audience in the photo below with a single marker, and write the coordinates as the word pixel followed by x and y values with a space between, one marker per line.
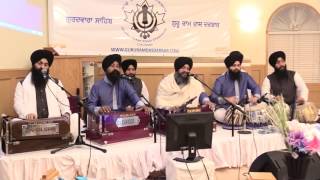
pixel 284 82
pixel 178 87
pixel 36 96
pixel 111 93
pixel 233 85
pixel 129 68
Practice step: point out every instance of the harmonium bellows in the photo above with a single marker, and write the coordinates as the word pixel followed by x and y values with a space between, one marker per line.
pixel 30 135
pixel 118 126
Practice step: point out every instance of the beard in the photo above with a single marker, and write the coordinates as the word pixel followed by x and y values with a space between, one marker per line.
pixel 131 75
pixel 114 76
pixel 37 77
pixel 234 75
pixel 281 72
pixel 181 79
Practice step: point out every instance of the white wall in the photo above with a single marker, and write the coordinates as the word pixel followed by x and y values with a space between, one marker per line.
pixel 16 47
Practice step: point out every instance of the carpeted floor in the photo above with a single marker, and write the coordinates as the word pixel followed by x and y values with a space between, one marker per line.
pixel 220 174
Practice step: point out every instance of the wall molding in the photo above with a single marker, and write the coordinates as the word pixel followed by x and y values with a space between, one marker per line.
pixel 69 71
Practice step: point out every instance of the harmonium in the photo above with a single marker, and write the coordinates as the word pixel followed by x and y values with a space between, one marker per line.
pixel 30 135
pixel 162 123
pixel 118 126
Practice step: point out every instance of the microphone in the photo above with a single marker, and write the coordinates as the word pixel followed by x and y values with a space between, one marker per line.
pixel 262 98
pixel 183 107
pixel 193 75
pixel 123 76
pixel 190 101
pixel 44 73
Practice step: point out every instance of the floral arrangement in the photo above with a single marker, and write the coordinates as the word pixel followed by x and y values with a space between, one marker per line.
pixel 300 138
pixel 304 138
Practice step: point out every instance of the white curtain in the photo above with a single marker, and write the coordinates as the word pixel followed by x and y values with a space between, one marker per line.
pixel 295 17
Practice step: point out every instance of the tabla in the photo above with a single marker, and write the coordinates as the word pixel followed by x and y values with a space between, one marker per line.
pixel 238 119
pixel 257 116
pixel 306 113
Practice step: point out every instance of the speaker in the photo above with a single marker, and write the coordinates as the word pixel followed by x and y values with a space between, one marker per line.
pixel 277 163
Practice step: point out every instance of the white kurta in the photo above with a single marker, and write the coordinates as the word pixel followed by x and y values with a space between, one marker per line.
pixel 169 93
pixel 25 99
pixel 144 91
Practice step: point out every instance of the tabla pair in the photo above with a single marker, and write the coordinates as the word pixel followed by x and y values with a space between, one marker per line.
pixel 255 117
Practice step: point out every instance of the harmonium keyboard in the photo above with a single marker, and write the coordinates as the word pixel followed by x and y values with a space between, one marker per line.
pixel 30 135
pixel 118 126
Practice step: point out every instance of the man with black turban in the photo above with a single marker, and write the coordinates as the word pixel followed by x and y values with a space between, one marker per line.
pixel 233 85
pixel 36 96
pixel 129 68
pixel 111 92
pixel 178 87
pixel 284 82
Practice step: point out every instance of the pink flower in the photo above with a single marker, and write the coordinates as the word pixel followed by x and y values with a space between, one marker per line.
pixel 313 145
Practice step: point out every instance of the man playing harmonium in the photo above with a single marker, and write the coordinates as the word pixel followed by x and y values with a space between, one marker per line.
pixel 179 87
pixel 284 82
pixel 233 86
pixel 36 96
pixel 111 93
pixel 129 68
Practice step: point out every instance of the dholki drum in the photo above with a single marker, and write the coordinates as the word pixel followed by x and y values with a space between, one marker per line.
pixel 257 116
pixel 238 119
pixel 306 113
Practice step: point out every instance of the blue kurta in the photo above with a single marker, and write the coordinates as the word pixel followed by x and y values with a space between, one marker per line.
pixel 102 94
pixel 225 87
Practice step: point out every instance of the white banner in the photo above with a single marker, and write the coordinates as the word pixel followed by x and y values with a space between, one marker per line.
pixel 140 27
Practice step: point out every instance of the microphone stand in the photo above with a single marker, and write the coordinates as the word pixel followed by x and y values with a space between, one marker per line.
pixel 79 140
pixel 155 122
pixel 245 130
pixel 234 106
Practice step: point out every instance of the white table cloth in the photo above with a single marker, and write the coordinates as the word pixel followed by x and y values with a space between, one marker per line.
pixel 136 158
pixel 197 170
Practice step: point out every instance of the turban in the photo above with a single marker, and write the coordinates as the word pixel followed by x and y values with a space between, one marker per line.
pixel 126 63
pixel 40 54
pixel 181 61
pixel 108 60
pixel 274 57
pixel 232 58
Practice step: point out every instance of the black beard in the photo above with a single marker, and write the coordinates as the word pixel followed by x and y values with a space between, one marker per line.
pixel 234 75
pixel 37 77
pixel 281 73
pixel 131 75
pixel 114 76
pixel 180 80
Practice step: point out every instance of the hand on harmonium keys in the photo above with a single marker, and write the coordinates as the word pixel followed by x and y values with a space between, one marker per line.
pixel 67 115
pixel 209 104
pixel 31 116
pixel 173 109
pixel 144 108
pixel 129 108
pixel 104 109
